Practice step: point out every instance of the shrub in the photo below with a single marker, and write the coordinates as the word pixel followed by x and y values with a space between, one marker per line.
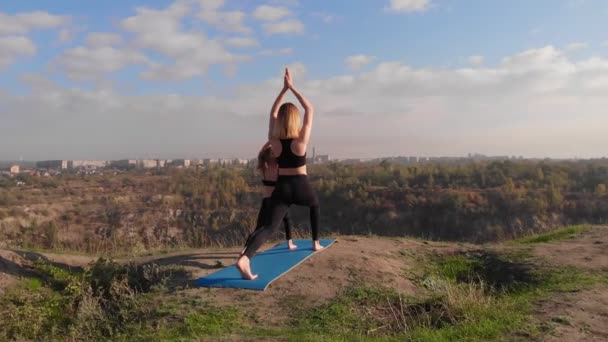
pixel 51 235
pixel 98 303
pixel 6 198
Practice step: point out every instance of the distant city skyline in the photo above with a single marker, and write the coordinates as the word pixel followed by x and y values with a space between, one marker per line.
pixel 323 157
pixel 196 78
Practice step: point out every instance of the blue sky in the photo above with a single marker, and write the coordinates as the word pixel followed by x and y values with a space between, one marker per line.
pixel 183 57
pixel 444 35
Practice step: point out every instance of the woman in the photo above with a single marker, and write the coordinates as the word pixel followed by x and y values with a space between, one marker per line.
pixel 288 141
pixel 268 167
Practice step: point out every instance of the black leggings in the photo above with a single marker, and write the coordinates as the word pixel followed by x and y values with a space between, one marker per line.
pixel 264 219
pixel 289 190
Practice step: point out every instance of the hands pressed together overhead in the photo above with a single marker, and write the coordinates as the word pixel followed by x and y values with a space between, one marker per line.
pixel 287 81
pixel 308 109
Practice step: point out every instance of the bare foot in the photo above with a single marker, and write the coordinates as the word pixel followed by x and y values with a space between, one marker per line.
pixel 317 246
pixel 291 245
pixel 244 268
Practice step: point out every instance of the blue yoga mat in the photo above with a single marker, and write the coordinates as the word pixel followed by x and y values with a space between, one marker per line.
pixel 268 265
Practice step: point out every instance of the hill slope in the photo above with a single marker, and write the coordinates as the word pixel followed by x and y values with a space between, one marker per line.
pixel 362 287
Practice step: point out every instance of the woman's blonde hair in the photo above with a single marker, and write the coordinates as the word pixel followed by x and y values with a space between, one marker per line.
pixel 287 125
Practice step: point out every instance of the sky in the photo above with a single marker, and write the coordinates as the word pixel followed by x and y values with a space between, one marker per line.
pixel 197 78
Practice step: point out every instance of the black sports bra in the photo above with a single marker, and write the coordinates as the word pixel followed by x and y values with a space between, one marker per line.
pixel 288 159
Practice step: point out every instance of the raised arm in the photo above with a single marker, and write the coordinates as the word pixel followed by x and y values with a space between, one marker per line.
pixel 308 109
pixel 308 115
pixel 274 112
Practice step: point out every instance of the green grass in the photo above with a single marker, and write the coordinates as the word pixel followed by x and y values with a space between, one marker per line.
pixel 190 325
pixel 456 267
pixel 457 316
pixel 33 284
pixel 490 325
pixel 569 232
pixel 480 296
pixel 110 301
pixel 475 296
pixel 46 315
pixel 338 317
pixel 511 308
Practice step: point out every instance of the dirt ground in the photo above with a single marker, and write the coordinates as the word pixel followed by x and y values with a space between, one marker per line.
pixel 577 316
pixel 351 260
pixel 589 251
pixel 581 316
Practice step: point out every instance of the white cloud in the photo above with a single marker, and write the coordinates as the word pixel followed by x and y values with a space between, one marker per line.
pixel 409 5
pixel 192 52
pixel 270 52
pixel 289 26
pixel 286 2
pixel 227 21
pixel 65 35
pixel 211 5
pixel 23 23
pixel 538 95
pixel 271 13
pixel 149 22
pixel 476 60
pixel 86 62
pixel 113 125
pixel 103 39
pixel 278 20
pixel 533 58
pixel 241 42
pixel 231 21
pixel 230 70
pixel 576 46
pixel 358 61
pixel 13 30
pixel 534 91
pixel 13 47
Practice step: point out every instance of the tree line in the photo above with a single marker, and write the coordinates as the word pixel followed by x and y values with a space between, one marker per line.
pixel 476 201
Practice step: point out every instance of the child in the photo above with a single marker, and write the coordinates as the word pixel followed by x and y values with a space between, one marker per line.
pixel 268 167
